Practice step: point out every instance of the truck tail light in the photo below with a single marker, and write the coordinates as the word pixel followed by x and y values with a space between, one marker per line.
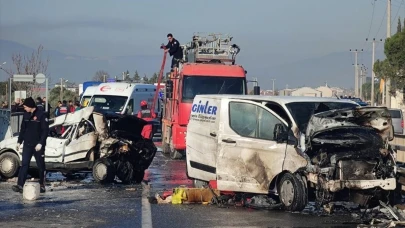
pixel 402 123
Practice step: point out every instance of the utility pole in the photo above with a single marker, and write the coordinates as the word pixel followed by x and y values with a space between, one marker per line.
pixel 356 72
pixel 363 74
pixel 104 78
pixel 274 93
pixel 388 81
pixel 372 70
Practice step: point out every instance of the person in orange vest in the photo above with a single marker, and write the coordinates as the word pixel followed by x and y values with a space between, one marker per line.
pixel 148 115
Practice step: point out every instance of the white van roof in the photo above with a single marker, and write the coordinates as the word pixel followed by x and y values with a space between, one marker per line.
pixel 277 99
pixel 122 88
pixel 90 90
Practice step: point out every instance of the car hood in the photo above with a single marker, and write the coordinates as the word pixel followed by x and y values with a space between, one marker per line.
pixel 359 125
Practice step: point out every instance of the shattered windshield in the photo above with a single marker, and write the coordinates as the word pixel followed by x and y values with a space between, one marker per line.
pixel 302 111
pixel 194 85
pixel 108 103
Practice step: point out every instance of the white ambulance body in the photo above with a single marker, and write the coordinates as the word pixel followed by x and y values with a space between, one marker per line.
pixel 122 97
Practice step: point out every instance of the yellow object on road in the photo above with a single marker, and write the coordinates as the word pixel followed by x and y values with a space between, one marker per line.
pixel 178 196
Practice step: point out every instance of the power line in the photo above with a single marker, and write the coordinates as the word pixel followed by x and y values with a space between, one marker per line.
pixel 382 20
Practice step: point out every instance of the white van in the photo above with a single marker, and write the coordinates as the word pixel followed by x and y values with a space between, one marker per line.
pixel 285 145
pixel 122 97
pixel 87 94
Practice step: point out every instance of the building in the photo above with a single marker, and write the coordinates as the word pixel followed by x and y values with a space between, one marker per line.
pixel 306 92
pixel 285 92
pixel 326 91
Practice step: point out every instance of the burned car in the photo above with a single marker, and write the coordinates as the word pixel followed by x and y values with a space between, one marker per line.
pixel 108 144
pixel 292 147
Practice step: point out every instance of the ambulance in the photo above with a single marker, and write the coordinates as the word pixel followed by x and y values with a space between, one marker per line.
pixel 122 97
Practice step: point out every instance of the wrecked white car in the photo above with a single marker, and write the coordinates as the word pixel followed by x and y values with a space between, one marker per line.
pixel 290 146
pixel 108 144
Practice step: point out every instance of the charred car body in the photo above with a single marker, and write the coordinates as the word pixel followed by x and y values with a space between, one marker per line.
pixel 290 146
pixel 108 144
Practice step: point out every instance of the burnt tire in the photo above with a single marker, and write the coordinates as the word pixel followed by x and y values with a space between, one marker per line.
pixel 9 165
pixel 292 192
pixel 103 171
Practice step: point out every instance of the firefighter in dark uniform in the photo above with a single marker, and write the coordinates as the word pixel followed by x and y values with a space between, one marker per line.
pixel 148 115
pixel 33 133
pixel 174 49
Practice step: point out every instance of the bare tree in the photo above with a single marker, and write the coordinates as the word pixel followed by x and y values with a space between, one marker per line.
pixel 32 65
pixel 100 76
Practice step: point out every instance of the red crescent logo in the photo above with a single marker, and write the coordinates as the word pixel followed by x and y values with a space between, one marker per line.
pixel 105 88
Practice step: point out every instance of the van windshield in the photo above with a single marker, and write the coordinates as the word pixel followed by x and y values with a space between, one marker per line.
pixel 302 111
pixel 109 103
pixel 194 85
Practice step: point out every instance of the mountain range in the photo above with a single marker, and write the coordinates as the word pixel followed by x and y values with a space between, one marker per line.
pixel 335 69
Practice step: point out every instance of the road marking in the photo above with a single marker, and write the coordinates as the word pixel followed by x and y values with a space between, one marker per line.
pixel 146 211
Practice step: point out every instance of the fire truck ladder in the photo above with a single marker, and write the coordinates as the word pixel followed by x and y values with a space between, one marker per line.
pixel 211 47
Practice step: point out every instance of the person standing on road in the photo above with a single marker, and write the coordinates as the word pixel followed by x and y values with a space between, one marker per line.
pixel 33 133
pixel 148 115
pixel 174 49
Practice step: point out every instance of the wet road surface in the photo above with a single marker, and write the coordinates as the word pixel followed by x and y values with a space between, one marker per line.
pixel 82 203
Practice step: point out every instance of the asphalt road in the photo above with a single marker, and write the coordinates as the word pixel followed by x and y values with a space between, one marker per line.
pixel 83 203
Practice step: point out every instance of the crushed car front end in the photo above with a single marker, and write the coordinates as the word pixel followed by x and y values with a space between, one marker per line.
pixel 350 150
pixel 122 146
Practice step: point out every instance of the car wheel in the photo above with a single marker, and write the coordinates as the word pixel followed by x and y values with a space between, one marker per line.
pixel 292 192
pixel 103 171
pixel 199 183
pixel 9 164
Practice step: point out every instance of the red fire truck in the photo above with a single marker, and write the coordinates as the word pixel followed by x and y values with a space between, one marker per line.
pixel 208 67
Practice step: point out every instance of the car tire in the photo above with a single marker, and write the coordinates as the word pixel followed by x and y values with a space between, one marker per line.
pixel 103 171
pixel 292 192
pixel 199 183
pixel 9 165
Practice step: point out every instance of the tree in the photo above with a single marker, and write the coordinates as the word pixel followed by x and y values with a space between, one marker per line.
pixel 137 78
pixel 399 29
pixel 32 65
pixel 393 67
pixel 367 91
pixel 145 79
pixel 54 96
pixel 154 78
pixel 100 76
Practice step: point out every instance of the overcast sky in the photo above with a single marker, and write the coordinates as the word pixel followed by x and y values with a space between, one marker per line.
pixel 279 30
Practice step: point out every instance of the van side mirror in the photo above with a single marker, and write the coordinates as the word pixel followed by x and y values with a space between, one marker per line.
pixel 169 89
pixel 256 90
pixel 280 134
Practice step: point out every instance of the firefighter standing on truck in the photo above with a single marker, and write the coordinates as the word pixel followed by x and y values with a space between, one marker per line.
pixel 174 49
pixel 33 133
pixel 148 115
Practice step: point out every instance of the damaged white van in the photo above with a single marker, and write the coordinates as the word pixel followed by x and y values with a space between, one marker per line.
pixel 290 146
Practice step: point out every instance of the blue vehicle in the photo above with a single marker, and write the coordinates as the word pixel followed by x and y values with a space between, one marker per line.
pixel 357 100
